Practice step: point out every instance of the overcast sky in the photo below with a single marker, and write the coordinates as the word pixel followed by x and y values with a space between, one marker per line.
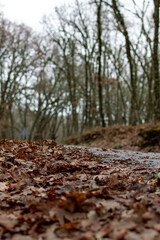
pixel 29 12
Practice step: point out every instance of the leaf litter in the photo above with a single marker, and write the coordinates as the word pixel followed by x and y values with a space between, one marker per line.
pixel 50 191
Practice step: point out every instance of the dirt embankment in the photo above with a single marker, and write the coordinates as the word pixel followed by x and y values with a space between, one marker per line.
pixel 144 137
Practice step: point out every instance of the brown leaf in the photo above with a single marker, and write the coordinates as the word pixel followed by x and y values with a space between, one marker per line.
pixel 3 186
pixel 21 237
pixel 7 222
pixel 69 226
pixel 73 201
pixel 109 205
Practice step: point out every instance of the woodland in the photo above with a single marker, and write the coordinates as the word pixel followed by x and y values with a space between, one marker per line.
pixel 96 63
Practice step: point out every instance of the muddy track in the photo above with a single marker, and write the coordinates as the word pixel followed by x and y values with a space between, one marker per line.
pixel 112 155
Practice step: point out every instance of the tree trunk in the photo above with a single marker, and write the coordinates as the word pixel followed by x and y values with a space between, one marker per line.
pixel 156 61
pixel 123 30
pixel 100 90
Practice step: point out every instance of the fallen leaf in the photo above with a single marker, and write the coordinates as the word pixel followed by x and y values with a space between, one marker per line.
pixel 7 222
pixel 21 237
pixel 3 186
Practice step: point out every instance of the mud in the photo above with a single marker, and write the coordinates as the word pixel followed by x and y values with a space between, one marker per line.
pixel 107 155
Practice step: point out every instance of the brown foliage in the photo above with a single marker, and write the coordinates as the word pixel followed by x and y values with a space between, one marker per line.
pixel 49 191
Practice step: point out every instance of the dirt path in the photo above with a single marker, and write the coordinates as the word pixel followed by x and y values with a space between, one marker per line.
pixel 112 155
pixel 151 158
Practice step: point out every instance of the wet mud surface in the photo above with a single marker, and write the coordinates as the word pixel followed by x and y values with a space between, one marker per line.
pixel 112 155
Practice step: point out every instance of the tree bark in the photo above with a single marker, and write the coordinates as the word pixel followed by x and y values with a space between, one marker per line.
pixel 100 90
pixel 156 61
pixel 123 30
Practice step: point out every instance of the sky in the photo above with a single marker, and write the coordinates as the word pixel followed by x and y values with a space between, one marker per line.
pixel 29 12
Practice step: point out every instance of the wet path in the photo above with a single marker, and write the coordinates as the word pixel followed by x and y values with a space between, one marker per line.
pixel 152 159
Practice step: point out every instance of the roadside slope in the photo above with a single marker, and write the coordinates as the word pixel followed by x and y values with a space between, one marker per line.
pixel 144 137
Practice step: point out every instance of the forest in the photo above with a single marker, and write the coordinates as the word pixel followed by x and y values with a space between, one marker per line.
pixel 96 63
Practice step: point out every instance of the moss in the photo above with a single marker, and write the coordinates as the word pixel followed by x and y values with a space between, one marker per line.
pixel 117 146
pixel 150 137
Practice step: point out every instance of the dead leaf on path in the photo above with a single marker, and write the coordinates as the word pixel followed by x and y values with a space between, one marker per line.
pixel 91 218
pixel 92 215
pixel 96 226
pixel 7 222
pixel 50 233
pixel 69 226
pixel 109 204
pixel 73 201
pixel 120 229
pixel 133 236
pixel 149 234
pixel 21 237
pixel 157 227
pixel 3 186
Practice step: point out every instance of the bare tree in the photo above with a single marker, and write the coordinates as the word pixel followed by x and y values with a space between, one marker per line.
pixel 15 62
pixel 156 60
pixel 99 57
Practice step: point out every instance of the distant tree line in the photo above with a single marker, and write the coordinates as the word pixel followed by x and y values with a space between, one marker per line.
pixel 96 63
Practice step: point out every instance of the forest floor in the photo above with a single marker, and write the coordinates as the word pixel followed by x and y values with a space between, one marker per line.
pixel 50 191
